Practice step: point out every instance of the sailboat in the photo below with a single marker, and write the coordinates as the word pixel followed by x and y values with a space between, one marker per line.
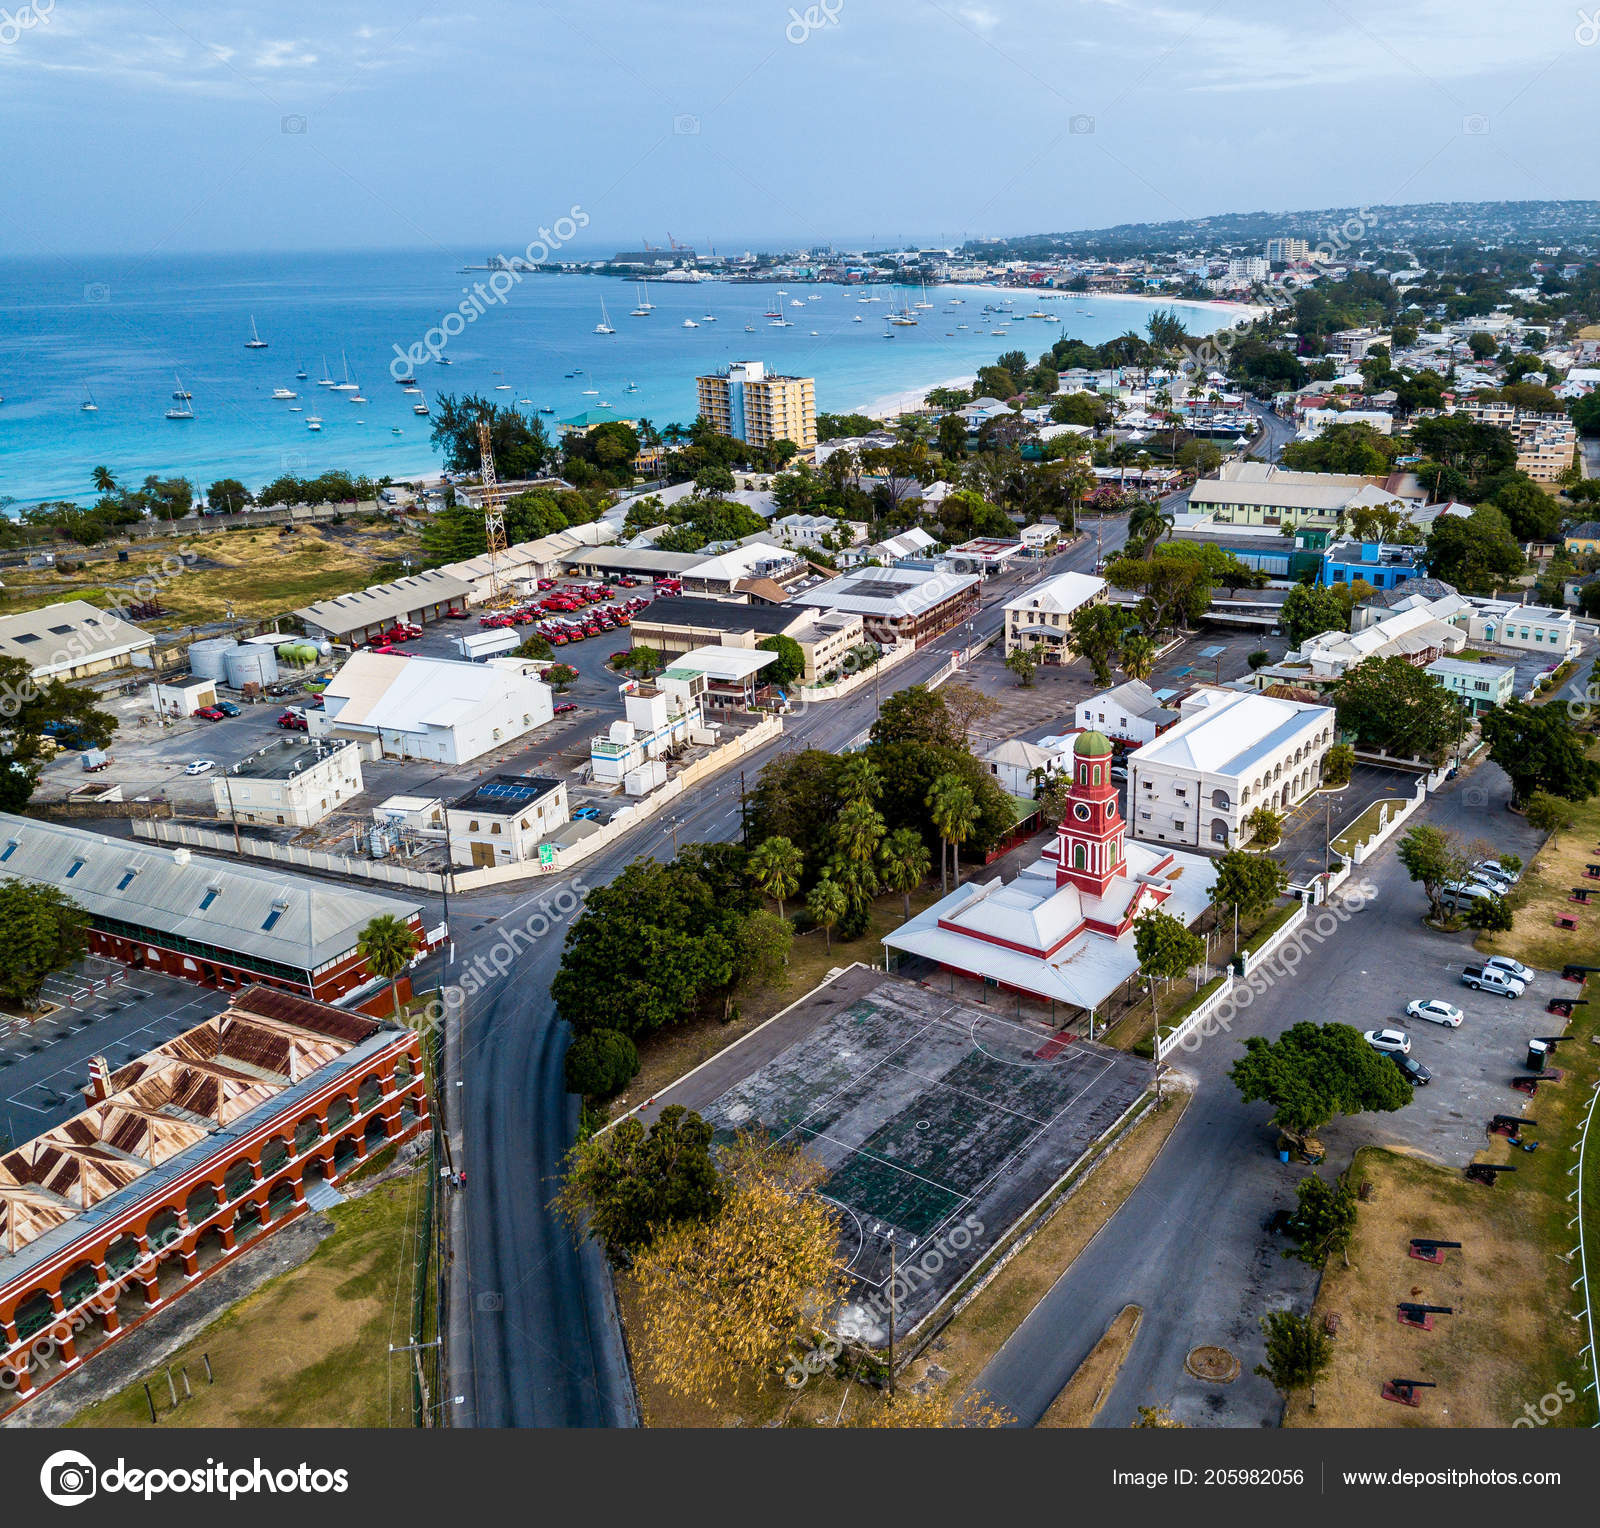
pixel 347 386
pixel 300 375
pixel 255 342
pixel 183 408
pixel 591 391
pixel 924 303
pixel 632 387
pixel 604 326
pixel 749 328
pixel 644 297
pixel 708 318
pixel 326 379
pixel 88 406
pixel 641 308
pixel 420 406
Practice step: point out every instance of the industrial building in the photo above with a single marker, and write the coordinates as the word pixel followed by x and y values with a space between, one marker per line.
pixel 291 782
pixel 71 640
pixel 180 1161
pixel 503 819
pixel 431 708
pixel 359 617
pixel 218 922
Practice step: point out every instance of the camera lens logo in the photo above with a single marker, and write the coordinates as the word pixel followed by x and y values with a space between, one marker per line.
pixel 67 1478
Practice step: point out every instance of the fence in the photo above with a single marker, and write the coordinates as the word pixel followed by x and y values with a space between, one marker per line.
pixel 1280 935
pixel 1201 1011
pixel 1387 823
pixel 192 836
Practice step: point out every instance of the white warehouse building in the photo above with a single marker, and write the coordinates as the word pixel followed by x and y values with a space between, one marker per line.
pixel 1232 751
pixel 431 708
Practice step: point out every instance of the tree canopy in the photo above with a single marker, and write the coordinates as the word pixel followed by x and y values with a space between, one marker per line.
pixel 1313 1072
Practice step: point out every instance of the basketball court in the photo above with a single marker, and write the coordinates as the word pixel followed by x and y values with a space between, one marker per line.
pixel 939 1122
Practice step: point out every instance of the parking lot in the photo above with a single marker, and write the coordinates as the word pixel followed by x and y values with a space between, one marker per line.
pixel 1321 817
pixel 109 1011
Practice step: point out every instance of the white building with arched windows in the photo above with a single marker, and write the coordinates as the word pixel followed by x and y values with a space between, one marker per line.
pixel 1232 752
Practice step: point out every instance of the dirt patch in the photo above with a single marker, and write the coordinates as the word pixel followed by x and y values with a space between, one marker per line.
pixel 1085 1393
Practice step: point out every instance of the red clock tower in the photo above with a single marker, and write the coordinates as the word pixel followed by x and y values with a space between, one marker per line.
pixel 1089 840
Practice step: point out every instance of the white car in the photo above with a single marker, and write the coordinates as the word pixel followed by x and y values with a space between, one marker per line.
pixel 200 767
pixel 1435 1011
pixel 1498 871
pixel 1389 1041
pixel 1511 967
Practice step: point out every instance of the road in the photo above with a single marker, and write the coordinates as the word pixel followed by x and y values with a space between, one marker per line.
pixel 1188 1244
pixel 1277 432
pixel 534 1340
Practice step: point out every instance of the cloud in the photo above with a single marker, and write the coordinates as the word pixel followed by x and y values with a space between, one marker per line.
pixel 979 17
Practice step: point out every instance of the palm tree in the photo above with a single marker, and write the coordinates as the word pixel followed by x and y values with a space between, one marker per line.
pixel 955 812
pixel 858 780
pixel 827 905
pixel 1148 523
pixel 1138 655
pixel 387 944
pixel 775 867
pixel 858 831
pixel 104 482
pixel 905 861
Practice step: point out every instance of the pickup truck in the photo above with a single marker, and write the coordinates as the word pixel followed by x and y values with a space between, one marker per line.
pixel 1489 979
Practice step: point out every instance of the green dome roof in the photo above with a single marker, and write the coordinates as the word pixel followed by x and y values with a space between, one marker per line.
pixel 1092 745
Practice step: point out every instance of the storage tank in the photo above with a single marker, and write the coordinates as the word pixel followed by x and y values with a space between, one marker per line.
pixel 208 657
pixel 254 664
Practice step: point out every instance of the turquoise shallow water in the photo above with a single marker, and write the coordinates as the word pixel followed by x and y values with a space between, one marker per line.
pixel 122 331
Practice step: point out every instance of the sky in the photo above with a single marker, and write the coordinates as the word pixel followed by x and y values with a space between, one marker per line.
pixel 141 128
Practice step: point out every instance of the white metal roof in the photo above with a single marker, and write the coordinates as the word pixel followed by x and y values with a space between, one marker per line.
pixel 407 694
pixel 57 638
pixel 1060 595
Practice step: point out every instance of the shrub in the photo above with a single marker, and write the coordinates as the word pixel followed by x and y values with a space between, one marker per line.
pixel 601 1064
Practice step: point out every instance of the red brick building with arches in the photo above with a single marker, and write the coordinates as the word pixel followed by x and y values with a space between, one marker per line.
pixel 184 1158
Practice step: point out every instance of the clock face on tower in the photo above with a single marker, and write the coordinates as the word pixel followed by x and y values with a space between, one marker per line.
pixel 1081 812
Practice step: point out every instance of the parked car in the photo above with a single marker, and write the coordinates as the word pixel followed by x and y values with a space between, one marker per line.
pixel 455 613
pixel 293 721
pixel 1435 1011
pixel 586 814
pixel 1415 1072
pixel 565 707
pixel 210 713
pixel 1523 974
pixel 1499 871
pixel 1389 1041
pixel 200 766
pixel 227 708
pixel 1491 979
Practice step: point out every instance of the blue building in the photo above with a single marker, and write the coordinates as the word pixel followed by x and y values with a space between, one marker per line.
pixel 1372 562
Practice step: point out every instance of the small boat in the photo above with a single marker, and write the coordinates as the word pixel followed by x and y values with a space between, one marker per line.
pixel 357 398
pixel 604 326
pixel 420 407
pixel 961 326
pixel 780 323
pixel 326 379
pixel 396 430
pixel 644 297
pixel 255 342
pixel 524 403
pixel 749 328
pixel 814 297
pixel 300 375
pixel 602 404
pixel 406 381
pixel 284 392
pixel 858 319
pixel 772 313
pixel 445 360
pixel 88 406
pixel 708 318
pixel 347 386
pixel 413 389
pixel 502 387
pixel 294 408
pixel 183 408
pixel 816 334
pixel 313 424
pixel 642 310
pixel 794 302
pixel 689 323
pixel 632 387
pixel 545 408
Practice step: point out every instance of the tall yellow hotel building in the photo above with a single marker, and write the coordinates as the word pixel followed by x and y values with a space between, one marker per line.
pixel 755 406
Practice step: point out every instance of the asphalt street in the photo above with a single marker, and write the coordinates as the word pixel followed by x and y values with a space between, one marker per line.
pixel 534 1340
pixel 1189 1245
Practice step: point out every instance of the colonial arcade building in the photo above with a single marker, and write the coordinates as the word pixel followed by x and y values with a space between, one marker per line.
pixel 1062 930
pixel 182 1159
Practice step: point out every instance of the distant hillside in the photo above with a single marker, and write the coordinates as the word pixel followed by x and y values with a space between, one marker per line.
pixel 1492 223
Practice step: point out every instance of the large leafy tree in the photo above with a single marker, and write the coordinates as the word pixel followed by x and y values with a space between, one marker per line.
pixel 1478 553
pixel 1098 634
pixel 628 1186
pixel 30 710
pixel 791 662
pixel 1313 1072
pixel 725 1298
pixel 647 947
pixel 1308 610
pixel 1389 703
pixel 1540 751
pixel 1166 947
pixel 1356 448
pixel 521 447
pixel 775 866
pixel 1434 858
pixel 1298 1351
pixel 1247 883
pixel 1324 1219
pixel 42 932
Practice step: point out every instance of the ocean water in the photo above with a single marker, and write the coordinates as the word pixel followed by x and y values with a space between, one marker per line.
pixel 124 332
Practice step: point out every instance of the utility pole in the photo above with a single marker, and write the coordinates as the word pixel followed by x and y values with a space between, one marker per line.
pixel 227 785
pixel 892 1276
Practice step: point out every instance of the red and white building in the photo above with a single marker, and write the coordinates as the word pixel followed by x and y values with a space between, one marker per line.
pixel 183 1159
pixel 1062 930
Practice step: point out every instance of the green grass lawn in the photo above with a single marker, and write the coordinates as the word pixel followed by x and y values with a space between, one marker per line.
pixel 310 1348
